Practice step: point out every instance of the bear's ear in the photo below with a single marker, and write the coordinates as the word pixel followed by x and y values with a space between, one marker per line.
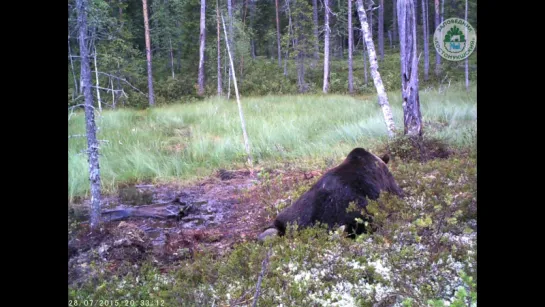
pixel 385 158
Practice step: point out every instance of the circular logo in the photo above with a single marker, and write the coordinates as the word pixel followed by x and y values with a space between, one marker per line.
pixel 454 39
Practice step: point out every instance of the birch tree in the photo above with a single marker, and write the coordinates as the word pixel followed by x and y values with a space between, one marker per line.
pixel 220 90
pixel 289 39
pixel 382 97
pixel 406 18
pixel 437 56
pixel 467 59
pixel 252 25
pixel 75 93
pixel 326 46
pixel 442 10
pixel 316 27
pixel 381 29
pixel 148 53
pixel 365 72
pixel 278 35
pixel 241 114
pixel 350 46
pixel 426 32
pixel 394 21
pixel 230 38
pixel 90 126
pixel 390 39
pixel 97 79
pixel 303 39
pixel 370 9
pixel 202 39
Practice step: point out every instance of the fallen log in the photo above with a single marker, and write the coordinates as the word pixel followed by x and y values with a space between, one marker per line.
pixel 159 211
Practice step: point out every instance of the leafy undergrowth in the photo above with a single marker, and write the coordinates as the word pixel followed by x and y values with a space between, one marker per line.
pixel 422 252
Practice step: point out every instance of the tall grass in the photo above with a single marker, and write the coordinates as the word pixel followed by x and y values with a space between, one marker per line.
pixel 187 141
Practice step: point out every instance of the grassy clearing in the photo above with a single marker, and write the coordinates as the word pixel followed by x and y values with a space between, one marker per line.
pixel 188 141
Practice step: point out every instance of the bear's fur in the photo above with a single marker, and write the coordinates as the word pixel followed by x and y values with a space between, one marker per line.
pixel 360 176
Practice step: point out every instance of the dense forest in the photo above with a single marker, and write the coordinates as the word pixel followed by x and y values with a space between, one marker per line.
pixel 277 46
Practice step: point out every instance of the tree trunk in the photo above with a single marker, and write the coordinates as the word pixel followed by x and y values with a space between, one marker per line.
pixel 437 56
pixel 394 27
pixel 245 7
pixel 179 53
pixel 226 71
pixel 73 71
pixel 171 57
pixel 390 38
pixel 220 90
pixel 365 71
pixel 97 81
pixel 242 122
pixel 382 97
pixel 201 49
pixel 113 92
pixel 230 36
pixel 278 35
pixel 412 118
pixel 122 98
pixel 290 35
pixel 467 59
pixel 301 72
pixel 371 17
pixel 92 144
pixel 426 32
pixel 341 47
pixel 381 29
pixel 326 47
pixel 350 47
pixel 316 32
pixel 252 19
pixel 442 10
pixel 148 53
pixel 338 37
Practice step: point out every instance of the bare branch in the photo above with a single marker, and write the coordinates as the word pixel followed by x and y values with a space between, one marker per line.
pixel 240 112
pixel 121 79
pixel 264 265
pixel 78 105
pixel 77 136
pixel 328 9
pixel 106 89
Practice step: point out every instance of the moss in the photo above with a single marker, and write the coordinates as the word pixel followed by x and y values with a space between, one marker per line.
pixel 423 250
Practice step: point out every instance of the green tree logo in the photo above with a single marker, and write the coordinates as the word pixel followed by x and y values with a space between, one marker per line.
pixel 455 40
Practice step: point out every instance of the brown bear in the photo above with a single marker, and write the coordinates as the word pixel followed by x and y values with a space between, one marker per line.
pixel 360 176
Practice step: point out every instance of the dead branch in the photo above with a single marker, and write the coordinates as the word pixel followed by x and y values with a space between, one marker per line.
pixel 77 136
pixel 242 121
pixel 121 79
pixel 264 265
pixel 78 105
pixel 106 89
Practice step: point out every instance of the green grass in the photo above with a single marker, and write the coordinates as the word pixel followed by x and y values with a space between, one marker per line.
pixel 191 140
